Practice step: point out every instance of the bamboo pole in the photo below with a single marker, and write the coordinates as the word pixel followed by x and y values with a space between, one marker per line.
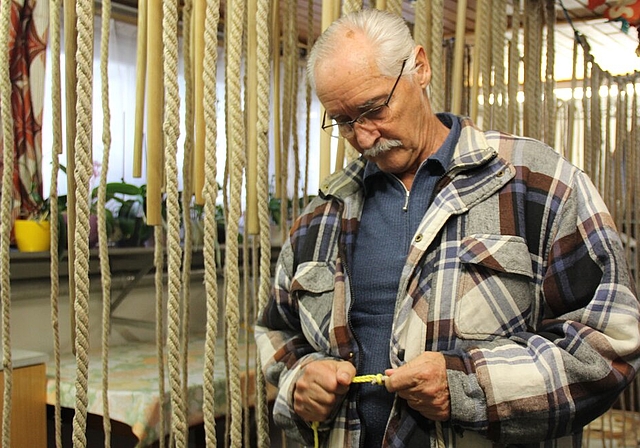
pixel 141 71
pixel 458 54
pixel 155 107
pixel 70 47
pixel 198 64
pixel 252 223
pixel 329 14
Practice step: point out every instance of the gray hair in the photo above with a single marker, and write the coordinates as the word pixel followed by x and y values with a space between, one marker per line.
pixel 388 34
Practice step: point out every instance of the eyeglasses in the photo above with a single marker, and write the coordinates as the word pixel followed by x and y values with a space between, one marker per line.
pixel 376 115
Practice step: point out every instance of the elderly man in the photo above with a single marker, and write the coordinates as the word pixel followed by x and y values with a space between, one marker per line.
pixel 479 271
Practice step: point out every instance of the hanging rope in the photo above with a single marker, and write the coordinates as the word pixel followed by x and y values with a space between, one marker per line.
pixel 210 195
pixel 105 270
pixel 236 134
pixel 513 118
pixel 437 77
pixel 550 84
pixel 262 417
pixel 171 128
pixel 187 192
pixel 485 64
pixel 532 60
pixel 499 28
pixel 83 172
pixel 158 262
pixel 5 215
pixel 56 150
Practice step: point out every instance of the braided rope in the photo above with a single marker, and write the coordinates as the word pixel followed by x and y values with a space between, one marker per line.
pixel 158 262
pixel 514 66
pixel 437 77
pixel 635 137
pixel 349 6
pixel 5 214
pixel 532 79
pixel 499 18
pixel 394 6
pixel 308 100
pixel 171 127
pixel 210 194
pixel 105 270
pixel 485 63
pixel 187 189
pixel 619 152
pixel 56 112
pixel 262 417
pixel 83 171
pixel 608 153
pixel 237 161
pixel 568 149
pixel 422 23
pixel 549 85
pixel 592 127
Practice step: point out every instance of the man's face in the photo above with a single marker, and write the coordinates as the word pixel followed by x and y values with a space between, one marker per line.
pixel 349 84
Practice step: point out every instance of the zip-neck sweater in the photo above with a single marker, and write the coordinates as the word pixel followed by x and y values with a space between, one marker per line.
pixel 390 216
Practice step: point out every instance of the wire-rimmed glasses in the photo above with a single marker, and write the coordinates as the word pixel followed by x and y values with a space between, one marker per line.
pixel 376 115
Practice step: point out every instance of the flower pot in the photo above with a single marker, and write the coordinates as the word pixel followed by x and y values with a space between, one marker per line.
pixel 32 236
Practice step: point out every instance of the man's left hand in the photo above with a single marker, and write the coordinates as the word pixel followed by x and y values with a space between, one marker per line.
pixel 423 383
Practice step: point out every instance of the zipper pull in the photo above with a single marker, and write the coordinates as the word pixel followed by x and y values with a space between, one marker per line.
pixel 405 207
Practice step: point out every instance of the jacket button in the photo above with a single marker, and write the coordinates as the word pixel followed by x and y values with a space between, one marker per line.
pixel 418 238
pixel 350 355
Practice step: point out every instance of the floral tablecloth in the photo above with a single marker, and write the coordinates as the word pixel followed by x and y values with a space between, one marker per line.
pixel 133 393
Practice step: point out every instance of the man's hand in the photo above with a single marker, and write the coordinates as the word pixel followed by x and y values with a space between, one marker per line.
pixel 423 383
pixel 321 385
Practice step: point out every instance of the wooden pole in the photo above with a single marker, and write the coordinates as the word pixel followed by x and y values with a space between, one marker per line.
pixel 141 71
pixel 458 54
pixel 253 226
pixel 329 14
pixel 155 109
pixel 70 47
pixel 200 7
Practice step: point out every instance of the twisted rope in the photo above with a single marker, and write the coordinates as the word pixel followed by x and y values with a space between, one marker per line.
pixel 56 112
pixel 437 77
pixel 532 80
pixel 549 85
pixel 187 189
pixel 83 171
pixel 158 262
pixel 210 194
pixel 499 18
pixel 237 160
pixel 568 150
pixel 5 215
pixel 105 269
pixel 308 100
pixel 171 126
pixel 513 119
pixel 263 192
pixel 485 63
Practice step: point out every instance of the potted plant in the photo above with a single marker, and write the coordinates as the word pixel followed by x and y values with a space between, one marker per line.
pixel 32 229
pixel 126 220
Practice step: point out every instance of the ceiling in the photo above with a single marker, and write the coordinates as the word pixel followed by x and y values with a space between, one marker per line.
pixel 613 50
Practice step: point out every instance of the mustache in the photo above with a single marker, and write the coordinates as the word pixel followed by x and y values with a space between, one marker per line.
pixel 381 146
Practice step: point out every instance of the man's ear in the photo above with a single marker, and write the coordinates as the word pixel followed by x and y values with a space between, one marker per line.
pixel 423 69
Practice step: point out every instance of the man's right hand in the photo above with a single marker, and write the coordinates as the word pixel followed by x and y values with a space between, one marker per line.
pixel 321 385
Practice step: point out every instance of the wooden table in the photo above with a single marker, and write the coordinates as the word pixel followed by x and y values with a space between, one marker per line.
pixel 28 402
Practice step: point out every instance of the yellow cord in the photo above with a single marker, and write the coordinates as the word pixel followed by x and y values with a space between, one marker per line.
pixel 378 379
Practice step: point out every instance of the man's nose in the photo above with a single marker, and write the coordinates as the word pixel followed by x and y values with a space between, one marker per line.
pixel 366 134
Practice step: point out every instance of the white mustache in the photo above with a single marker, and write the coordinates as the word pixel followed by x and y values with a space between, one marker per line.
pixel 381 146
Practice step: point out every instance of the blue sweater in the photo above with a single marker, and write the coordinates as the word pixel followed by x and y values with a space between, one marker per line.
pixel 389 220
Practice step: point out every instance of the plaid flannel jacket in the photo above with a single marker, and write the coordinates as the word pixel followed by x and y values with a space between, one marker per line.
pixel 516 274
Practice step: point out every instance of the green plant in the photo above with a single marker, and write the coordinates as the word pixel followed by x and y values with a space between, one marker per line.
pixel 126 219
